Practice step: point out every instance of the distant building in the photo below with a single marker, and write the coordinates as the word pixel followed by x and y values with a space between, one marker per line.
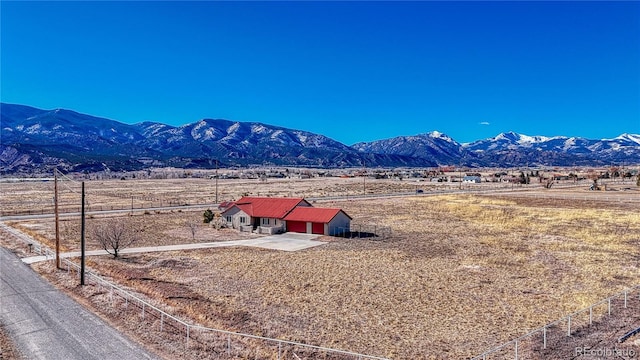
pixel 472 179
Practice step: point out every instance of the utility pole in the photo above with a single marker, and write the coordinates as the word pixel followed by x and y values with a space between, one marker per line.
pixel 57 217
pixel 364 177
pixel 216 181
pixel 82 254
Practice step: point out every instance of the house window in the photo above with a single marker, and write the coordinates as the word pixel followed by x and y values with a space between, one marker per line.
pixel 243 220
pixel 229 218
pixel 265 221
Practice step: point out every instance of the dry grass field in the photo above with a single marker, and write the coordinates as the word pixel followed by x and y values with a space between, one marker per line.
pixel 461 273
pixel 35 196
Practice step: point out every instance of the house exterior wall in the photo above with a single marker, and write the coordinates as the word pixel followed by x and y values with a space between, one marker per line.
pixel 341 222
pixel 271 222
pixel 237 217
pixel 271 226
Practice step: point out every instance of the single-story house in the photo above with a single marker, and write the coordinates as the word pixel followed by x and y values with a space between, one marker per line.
pixel 269 215
pixel 472 179
pixel 264 214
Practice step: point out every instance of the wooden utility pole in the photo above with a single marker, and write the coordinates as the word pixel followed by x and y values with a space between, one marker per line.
pixel 364 177
pixel 216 181
pixel 57 217
pixel 82 254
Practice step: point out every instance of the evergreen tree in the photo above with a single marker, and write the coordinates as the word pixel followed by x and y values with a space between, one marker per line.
pixel 208 216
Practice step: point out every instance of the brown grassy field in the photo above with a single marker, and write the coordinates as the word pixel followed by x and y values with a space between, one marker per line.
pixel 117 194
pixel 37 196
pixel 461 273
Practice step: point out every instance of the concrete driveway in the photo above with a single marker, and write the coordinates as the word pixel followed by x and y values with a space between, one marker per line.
pixel 283 242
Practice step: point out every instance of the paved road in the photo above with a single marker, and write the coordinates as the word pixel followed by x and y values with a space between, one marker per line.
pixel 47 324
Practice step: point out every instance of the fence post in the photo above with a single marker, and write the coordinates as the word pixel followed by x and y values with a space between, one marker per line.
pixel 590 315
pixel 143 305
pixel 229 344
pixel 569 325
pixel 187 335
pixel 544 337
pixel 516 349
pixel 625 299
pixel 279 349
pixel 609 300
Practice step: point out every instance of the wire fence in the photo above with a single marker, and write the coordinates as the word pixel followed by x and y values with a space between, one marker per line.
pixel 362 231
pixel 203 342
pixel 554 334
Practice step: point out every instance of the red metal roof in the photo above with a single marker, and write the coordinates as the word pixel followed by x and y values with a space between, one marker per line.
pixel 267 207
pixel 311 214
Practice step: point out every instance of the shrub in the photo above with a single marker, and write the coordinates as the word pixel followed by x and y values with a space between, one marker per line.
pixel 208 216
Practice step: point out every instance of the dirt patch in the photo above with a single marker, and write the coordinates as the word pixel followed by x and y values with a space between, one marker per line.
pixel 8 350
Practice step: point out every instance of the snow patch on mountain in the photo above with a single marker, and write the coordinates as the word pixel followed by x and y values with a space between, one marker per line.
pixel 626 137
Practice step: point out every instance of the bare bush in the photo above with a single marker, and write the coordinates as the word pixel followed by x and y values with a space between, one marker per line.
pixel 193 228
pixel 218 221
pixel 114 236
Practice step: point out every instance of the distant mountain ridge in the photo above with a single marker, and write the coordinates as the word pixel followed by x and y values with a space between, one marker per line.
pixel 36 140
pixel 558 150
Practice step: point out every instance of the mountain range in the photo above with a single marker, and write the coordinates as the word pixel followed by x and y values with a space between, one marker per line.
pixel 35 140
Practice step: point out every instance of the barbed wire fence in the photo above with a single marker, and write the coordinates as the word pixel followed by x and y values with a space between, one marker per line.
pixel 553 334
pixel 362 231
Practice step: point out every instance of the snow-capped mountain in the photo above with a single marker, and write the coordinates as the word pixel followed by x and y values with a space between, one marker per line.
pixel 631 138
pixel 509 140
pixel 35 139
pixel 625 146
pixel 434 145
pixel 240 142
pixel 512 149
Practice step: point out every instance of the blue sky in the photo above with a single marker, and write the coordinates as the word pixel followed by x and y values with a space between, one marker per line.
pixel 354 71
